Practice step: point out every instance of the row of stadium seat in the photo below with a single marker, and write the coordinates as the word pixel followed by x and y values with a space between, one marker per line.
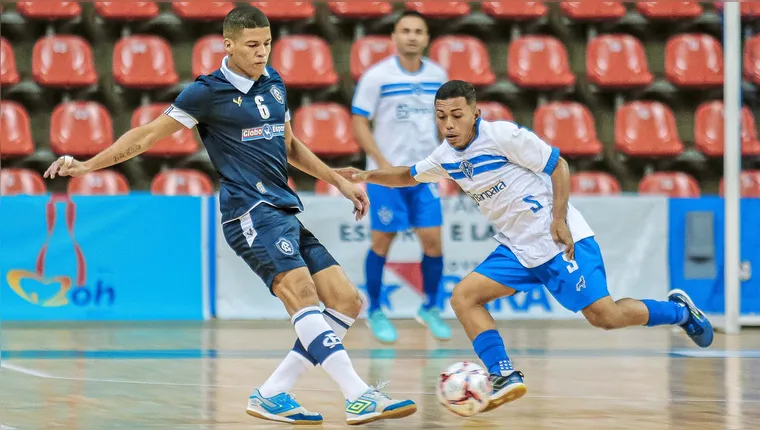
pixel 535 61
pixel 288 11
pixel 192 182
pixel 642 129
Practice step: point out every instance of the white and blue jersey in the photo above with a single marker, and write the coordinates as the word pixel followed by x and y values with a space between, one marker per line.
pixel 242 124
pixel 401 107
pixel 506 171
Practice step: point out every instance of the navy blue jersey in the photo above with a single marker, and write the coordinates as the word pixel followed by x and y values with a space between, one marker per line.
pixel 242 125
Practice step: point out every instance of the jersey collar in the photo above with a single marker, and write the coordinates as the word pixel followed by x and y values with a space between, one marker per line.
pixel 242 83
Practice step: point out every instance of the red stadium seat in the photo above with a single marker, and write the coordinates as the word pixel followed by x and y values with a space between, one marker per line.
pixel 447 188
pixel 617 61
pixel 80 128
pixel 367 51
pixel 304 62
pixel 694 60
pixel 594 183
pixel 63 61
pixel 15 130
pixel 21 181
pixel 143 62
pixel 708 130
pixel 208 54
pixel 441 9
pixel 99 183
pixel 569 126
pixel 463 58
pixel 203 10
pixel 749 184
pixel 51 10
pixel 322 188
pixel 495 111
pixel 539 62
pixel 182 182
pixel 354 9
pixel 180 143
pixel 752 59
pixel 326 129
pixel 669 9
pixel 286 10
pixel 514 10
pixel 127 10
pixel 671 184
pixel 593 10
pixel 8 71
pixel 646 129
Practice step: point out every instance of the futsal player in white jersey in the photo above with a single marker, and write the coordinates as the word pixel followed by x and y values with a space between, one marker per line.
pixel 522 185
pixel 395 99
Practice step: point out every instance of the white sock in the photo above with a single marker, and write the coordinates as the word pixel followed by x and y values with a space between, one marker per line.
pixel 295 364
pixel 325 346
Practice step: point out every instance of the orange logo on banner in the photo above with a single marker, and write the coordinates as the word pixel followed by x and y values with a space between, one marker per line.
pixel 16 276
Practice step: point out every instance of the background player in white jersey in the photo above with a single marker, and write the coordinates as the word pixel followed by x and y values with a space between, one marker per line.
pixel 522 186
pixel 242 116
pixel 396 95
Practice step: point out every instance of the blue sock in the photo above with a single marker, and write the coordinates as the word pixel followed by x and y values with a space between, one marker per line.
pixel 665 313
pixel 432 272
pixel 373 272
pixel 490 348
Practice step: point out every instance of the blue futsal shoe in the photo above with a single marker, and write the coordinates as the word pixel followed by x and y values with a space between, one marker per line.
pixel 382 327
pixel 374 405
pixel 282 407
pixel 506 388
pixel 697 326
pixel 431 318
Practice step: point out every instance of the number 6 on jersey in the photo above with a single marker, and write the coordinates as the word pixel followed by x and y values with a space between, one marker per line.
pixel 263 110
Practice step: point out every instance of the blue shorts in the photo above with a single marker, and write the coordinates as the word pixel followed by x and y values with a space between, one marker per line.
pixel 273 240
pixel 397 209
pixel 575 284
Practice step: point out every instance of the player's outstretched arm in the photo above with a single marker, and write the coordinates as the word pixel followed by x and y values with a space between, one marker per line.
pixel 394 177
pixel 131 144
pixel 304 160
pixel 561 187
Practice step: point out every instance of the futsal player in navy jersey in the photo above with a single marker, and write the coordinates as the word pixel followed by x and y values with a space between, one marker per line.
pixel 241 113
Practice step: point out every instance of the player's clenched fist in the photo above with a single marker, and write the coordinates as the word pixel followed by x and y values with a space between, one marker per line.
pixel 66 166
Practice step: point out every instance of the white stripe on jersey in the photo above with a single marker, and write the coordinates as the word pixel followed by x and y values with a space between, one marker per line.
pixel 401 106
pixel 505 170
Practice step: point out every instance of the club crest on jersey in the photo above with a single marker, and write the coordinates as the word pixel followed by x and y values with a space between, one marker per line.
pixel 267 131
pixel 466 168
pixel 277 95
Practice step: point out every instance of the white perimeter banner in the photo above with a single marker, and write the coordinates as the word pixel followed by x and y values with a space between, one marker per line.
pixel 632 232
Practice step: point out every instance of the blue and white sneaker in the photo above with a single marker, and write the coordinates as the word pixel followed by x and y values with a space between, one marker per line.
pixel 282 407
pixel 506 388
pixel 697 326
pixel 374 405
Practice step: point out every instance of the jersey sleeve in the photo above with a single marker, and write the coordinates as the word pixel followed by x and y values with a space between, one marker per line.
pixel 191 105
pixel 366 95
pixel 522 147
pixel 429 170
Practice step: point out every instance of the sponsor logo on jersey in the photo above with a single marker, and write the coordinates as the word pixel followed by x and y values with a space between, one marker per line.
pixel 489 193
pixel 267 131
pixel 404 111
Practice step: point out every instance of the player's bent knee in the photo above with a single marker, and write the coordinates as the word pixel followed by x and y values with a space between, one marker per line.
pixel 604 321
pixel 350 303
pixel 296 290
pixel 461 302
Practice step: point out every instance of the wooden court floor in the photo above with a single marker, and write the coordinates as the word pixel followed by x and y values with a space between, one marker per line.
pixel 198 376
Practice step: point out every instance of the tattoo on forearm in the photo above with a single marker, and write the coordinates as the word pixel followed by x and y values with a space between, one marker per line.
pixel 126 154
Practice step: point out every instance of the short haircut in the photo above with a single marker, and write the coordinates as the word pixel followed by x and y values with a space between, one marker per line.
pixel 243 17
pixel 456 89
pixel 411 13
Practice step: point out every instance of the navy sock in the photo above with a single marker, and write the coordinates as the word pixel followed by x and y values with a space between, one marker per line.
pixel 373 273
pixel 665 313
pixel 490 348
pixel 432 271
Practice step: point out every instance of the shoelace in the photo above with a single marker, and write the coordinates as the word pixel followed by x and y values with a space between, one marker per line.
pixel 379 385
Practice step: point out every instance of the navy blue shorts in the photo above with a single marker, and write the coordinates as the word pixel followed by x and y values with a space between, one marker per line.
pixel 575 284
pixel 397 209
pixel 273 241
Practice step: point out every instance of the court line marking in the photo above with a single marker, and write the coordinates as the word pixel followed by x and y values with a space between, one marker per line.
pixel 43 375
